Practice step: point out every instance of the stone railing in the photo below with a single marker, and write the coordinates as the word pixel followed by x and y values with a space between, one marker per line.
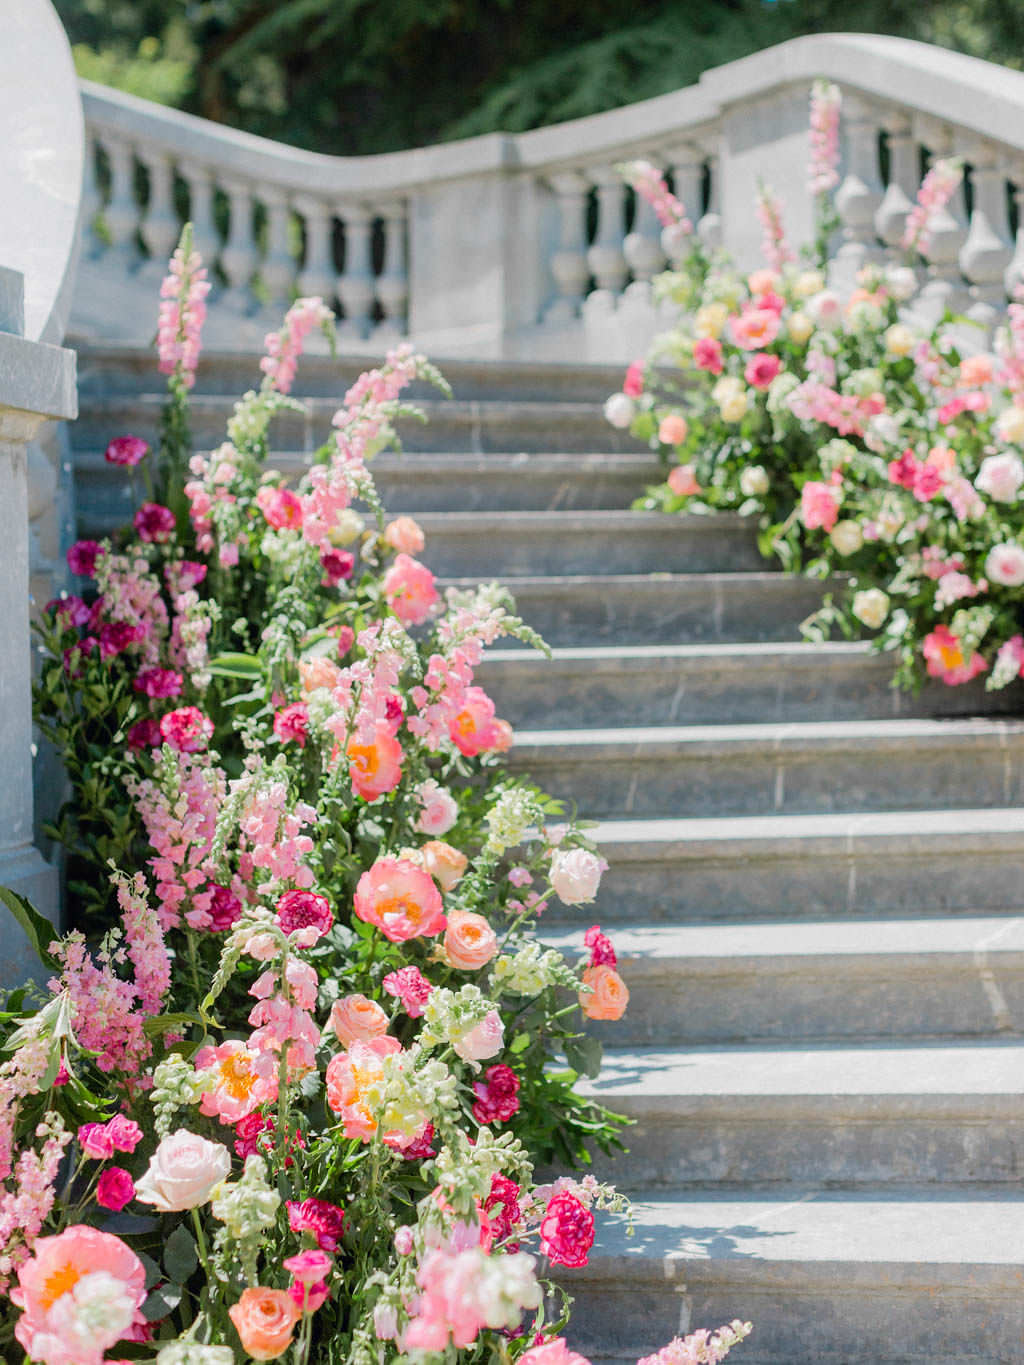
pixel 530 245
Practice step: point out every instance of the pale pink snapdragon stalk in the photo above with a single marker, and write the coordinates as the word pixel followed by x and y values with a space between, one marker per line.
pixel 1012 347
pixel 937 189
pixel 286 346
pixel 701 1347
pixel 823 165
pixel 182 312
pixel 650 184
pixel 774 247
pixel 25 1209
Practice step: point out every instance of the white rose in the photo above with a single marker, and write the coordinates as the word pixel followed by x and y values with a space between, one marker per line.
pixel 899 340
pixel 619 410
pixel 348 525
pixel 1005 565
pixel 883 430
pixel 754 481
pixel 1000 476
pixel 1010 424
pixel 807 283
pixel 727 387
pixel 847 537
pixel 901 282
pixel 799 327
pixel 576 875
pixel 871 607
pixel 734 408
pixel 183 1171
pixel 825 309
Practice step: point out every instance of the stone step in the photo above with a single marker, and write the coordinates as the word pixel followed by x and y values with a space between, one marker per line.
pixel 806 981
pixel 422 483
pixel 793 768
pixel 827 1278
pixel 626 609
pixel 716 684
pixel 949 1113
pixel 477 426
pixel 115 371
pixel 812 866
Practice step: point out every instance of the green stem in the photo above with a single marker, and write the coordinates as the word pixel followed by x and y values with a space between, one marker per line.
pixel 204 1254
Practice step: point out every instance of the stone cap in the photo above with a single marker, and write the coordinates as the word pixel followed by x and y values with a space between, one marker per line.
pixel 36 378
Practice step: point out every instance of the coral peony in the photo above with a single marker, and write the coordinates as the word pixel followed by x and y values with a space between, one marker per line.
pixel 472 729
pixel 945 658
pixel 409 588
pixel 238 1079
pixel 375 767
pixel 400 899
pixel 281 507
pixel 707 354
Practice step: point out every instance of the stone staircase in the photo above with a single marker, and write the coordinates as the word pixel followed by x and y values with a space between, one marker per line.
pixel 814 887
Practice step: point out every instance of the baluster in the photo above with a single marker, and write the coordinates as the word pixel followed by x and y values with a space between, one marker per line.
pixel 898 200
pixel 356 282
pixel 121 214
pixel 92 204
pixel 860 194
pixel 317 274
pixel 944 289
pixel 393 280
pixel 277 270
pixel 238 259
pixel 709 229
pixel 569 263
pixel 605 258
pixel 205 236
pixel 988 250
pixel 687 163
pixel 159 227
pixel 1015 270
pixel 642 247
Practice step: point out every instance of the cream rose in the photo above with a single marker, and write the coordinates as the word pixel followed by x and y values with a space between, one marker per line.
pixel 899 340
pixel 576 875
pixel 1000 476
pixel 847 537
pixel 871 607
pixel 619 410
pixel 183 1171
pixel 1010 424
pixel 754 481
pixel 799 327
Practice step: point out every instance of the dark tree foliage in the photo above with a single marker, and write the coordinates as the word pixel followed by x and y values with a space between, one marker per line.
pixel 351 76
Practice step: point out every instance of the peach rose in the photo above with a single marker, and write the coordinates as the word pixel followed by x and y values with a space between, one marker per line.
pixel 405 535
pixel 682 480
pixel 976 369
pixel 445 864
pixel 673 429
pixel 607 997
pixel 265 1320
pixel 356 1020
pixel 469 941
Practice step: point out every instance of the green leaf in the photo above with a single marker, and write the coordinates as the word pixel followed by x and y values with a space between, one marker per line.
pixel 38 929
pixel 164 1023
pixel 584 1053
pixel 519 1043
pixel 236 666
pixel 161 1302
pixel 180 1258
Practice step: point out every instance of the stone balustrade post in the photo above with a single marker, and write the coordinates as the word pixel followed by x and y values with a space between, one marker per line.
pixel 988 250
pixel 860 194
pixel 121 214
pixel 605 256
pixel 160 227
pixel 205 236
pixel 37 383
pixel 709 228
pixel 687 164
pixel 317 275
pixel 1015 270
pixel 898 200
pixel 356 283
pixel 393 280
pixel 569 263
pixel 277 268
pixel 944 289
pixel 642 247
pixel 238 259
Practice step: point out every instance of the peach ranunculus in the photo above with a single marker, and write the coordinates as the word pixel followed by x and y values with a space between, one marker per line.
pixel 405 535
pixel 755 328
pixel 241 1079
pixel 409 588
pixel 80 1292
pixel 355 1019
pixel 183 1171
pixel 445 864
pixel 349 1078
pixel 608 995
pixel 469 941
pixel 976 369
pixel 375 766
pixel 400 899
pixel 265 1321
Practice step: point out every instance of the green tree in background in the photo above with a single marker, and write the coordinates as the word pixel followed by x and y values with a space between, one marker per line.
pixel 351 76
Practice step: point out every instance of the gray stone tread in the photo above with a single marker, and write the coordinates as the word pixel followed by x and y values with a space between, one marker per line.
pixel 739 654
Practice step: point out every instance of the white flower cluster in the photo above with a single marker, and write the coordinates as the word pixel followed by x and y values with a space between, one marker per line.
pixel 247 1207
pixel 531 970
pixel 175 1086
pixel 509 819
pixel 194 1353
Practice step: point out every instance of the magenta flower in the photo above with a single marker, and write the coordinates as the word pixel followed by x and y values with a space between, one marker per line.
pixel 306 912
pixel 186 729
pixel 82 557
pixel 145 734
pixel 497 1096
pixel 154 522
pixel 96 1141
pixel 158 682
pixel 291 723
pixel 126 450
pixel 411 987
pixel 325 1221
pixel 602 954
pixel 114 1189
pixel 566 1231
pixel 337 566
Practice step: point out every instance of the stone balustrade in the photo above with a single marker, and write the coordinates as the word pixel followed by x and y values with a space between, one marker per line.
pixel 531 245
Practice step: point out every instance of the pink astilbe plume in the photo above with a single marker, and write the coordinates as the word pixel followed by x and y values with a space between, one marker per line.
pixel 823 164
pixel 937 189
pixel 182 312
pixel 774 247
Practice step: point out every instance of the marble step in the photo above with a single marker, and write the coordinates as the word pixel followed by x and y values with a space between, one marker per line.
pixel 706 684
pixel 420 483
pixel 805 981
pixel 791 768
pixel 900 1277
pixel 625 609
pixel 459 424
pixel 936 1113
pixel 809 866
pixel 110 371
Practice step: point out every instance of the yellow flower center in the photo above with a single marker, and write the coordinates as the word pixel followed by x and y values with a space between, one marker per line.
pixel 60 1282
pixel 237 1076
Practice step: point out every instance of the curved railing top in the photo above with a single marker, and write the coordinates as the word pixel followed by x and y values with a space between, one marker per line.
pixel 41 158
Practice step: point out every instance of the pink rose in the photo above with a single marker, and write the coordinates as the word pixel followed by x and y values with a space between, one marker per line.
pixel 469 941
pixel 438 808
pixel 576 875
pixel 682 480
pixel 482 1040
pixel 355 1019
pixel 404 534
pixel 819 505
pixel 673 429
pixel 409 588
pixel 183 1171
pixel 114 1189
pixel 707 355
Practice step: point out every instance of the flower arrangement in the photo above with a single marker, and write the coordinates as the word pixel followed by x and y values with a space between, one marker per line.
pixel 301 1049
pixel 873 449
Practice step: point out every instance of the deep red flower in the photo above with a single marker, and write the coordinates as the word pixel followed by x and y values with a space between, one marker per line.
pixel 325 1221
pixel 497 1097
pixel 82 557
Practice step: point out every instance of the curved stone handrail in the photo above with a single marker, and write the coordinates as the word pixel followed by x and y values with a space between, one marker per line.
pixel 513 244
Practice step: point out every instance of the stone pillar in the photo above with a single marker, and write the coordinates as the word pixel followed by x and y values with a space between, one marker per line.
pixel 37 382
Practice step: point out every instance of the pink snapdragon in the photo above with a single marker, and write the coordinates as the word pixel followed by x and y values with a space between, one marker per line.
pixel 649 183
pixel 937 189
pixel 182 313
pixel 823 167
pixel 286 346
pixel 774 247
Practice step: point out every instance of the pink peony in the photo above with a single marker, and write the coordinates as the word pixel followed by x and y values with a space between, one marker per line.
pixel 673 429
pixel 291 724
pixel 405 535
pixel 324 1221
pixel 114 1189
pixel 411 987
pixel 82 557
pixel 281 507
pixel 158 682
pixel 126 450
pixel 819 505
pixel 375 767
pixel 304 916
pixel 707 355
pixel 682 480
pixel 186 729
pixel 567 1231
pixel 239 1080
pixel 409 588
pixel 755 328
pixel 945 659
pixel 761 370
pixel 472 730
pixel 154 523
pixel 400 899
pixel 438 808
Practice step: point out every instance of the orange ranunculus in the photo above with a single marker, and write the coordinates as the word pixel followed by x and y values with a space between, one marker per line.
pixel 265 1320
pixel 608 995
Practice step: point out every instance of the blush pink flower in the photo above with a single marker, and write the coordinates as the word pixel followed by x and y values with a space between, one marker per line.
pixel 482 1040
pixel 187 730
pixel 576 875
pixel 556 1352
pixel 409 588
pixel 126 450
pixel 400 899
pixel 410 986
pixel 291 724
pixel 375 766
pixel 673 429
pixel 707 354
pixel 154 523
pixel 819 505
pixel 405 535
pixel 472 729
pixel 239 1080
pixel 281 507
pixel 114 1189
pixel 754 329
pixel 438 808
pixel 567 1231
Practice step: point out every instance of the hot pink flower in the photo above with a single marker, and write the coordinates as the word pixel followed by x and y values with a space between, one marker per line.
pixel 411 987
pixel 145 734
pixel 602 954
pixel 308 1266
pixel 497 1096
pixel 819 505
pixel 96 1141
pixel 158 682
pixel 338 566
pixel 126 450
pixel 633 384
pixel 400 899
pixel 124 1132
pixel 114 1189
pixel 291 724
pixel 761 370
pixel 82 557
pixel 944 656
pixel 755 328
pixel 281 507
pixel 567 1231
pixel 154 522
pixel 707 354
pixel 326 1222
pixel 305 916
pixel 186 729
pixel 308 1297
pixel 409 588
pixel 346 639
